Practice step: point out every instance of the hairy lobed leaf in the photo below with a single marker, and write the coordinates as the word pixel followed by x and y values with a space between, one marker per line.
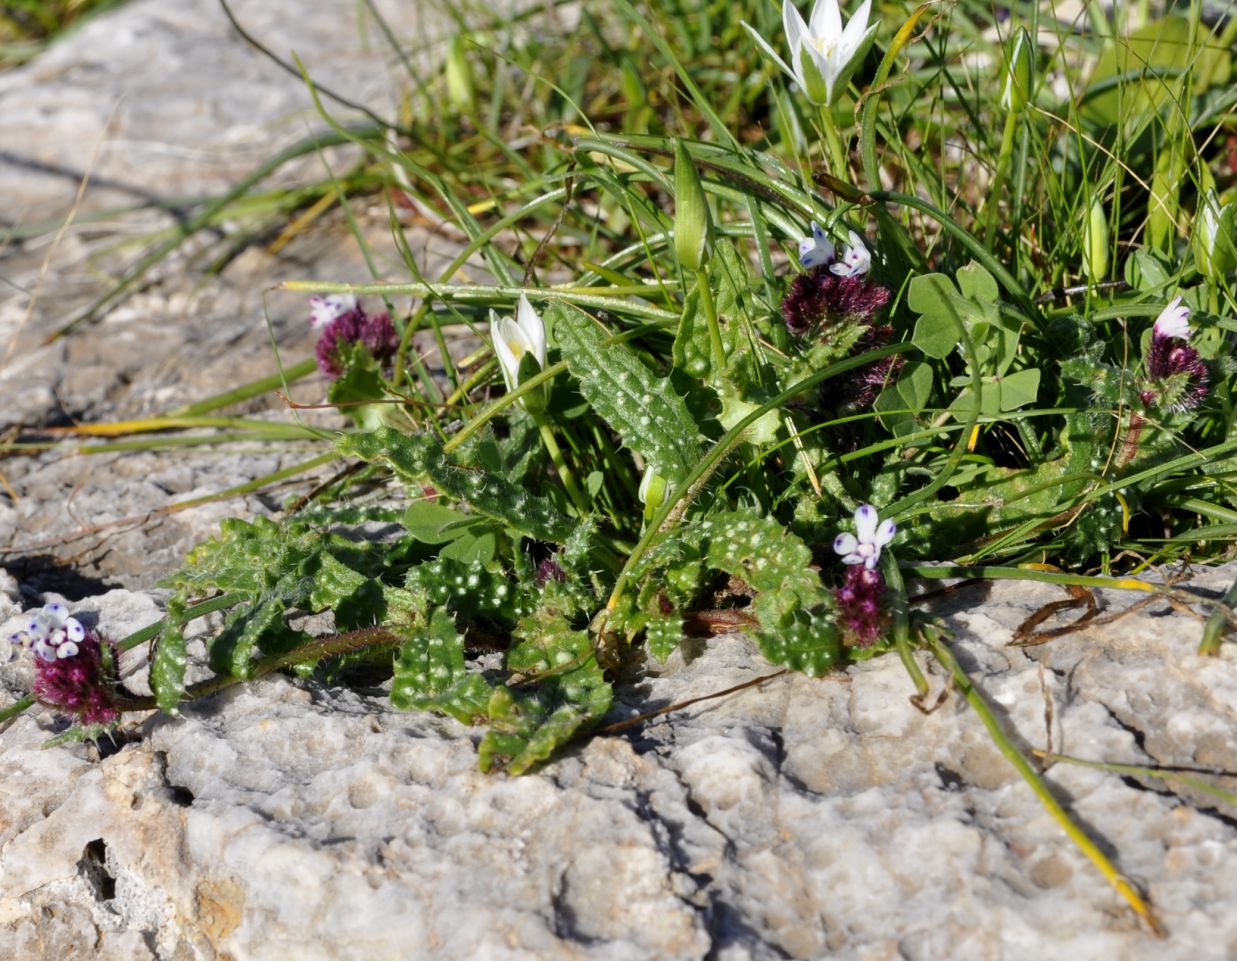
pixel 571 693
pixel 418 459
pixel 641 406
pixel 167 669
pixel 430 674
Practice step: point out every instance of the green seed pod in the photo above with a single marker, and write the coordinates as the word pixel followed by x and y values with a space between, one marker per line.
pixel 1214 237
pixel 693 224
pixel 1095 242
pixel 1019 71
pixel 461 91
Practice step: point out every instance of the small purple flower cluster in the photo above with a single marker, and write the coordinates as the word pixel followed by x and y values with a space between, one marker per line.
pixel 1180 376
pixel 74 669
pixel 343 321
pixel 550 570
pixel 819 300
pixel 859 598
pixel 836 293
pixel 859 605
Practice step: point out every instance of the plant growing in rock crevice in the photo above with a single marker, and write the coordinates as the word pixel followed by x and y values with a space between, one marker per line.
pixel 683 424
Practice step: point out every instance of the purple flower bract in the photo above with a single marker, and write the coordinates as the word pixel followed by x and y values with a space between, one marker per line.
pixel 78 684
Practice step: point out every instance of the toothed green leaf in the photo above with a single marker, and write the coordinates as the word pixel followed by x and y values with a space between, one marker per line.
pixel 419 459
pixel 640 405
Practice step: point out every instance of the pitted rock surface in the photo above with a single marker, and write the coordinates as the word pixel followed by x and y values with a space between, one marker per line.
pixel 801 819
pixel 155 104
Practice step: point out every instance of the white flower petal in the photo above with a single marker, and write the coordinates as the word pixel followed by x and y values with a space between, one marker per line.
pixel 852 36
pixel 866 520
pixel 855 260
pixel 826 20
pixel 884 533
pixel 1173 321
pixel 73 629
pixel 67 649
pixel 816 250
pixel 766 49
pixel 846 543
pixel 533 329
pixel 853 559
pixel 502 332
pixel 323 310
pixel 792 23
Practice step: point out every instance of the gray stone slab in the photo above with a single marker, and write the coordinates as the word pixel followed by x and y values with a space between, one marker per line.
pixel 803 819
pixel 164 101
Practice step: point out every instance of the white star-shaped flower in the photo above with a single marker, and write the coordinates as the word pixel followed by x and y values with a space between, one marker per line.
pixel 823 55
pixel 515 338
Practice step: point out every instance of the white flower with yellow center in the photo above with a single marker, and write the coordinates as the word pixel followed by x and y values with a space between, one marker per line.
pixel 514 338
pixel 823 54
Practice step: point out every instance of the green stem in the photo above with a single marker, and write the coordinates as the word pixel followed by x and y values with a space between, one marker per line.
pixel 1218 624
pixel 560 464
pixel 316 650
pixel 998 179
pixel 901 625
pixel 710 316
pixel 252 389
pixel 837 153
pixel 615 300
pixel 1024 767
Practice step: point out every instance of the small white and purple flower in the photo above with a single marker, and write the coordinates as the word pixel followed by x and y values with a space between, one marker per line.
pixel 49 633
pixel 871 534
pixel 816 250
pixel 1173 322
pixel 855 260
pixel 324 309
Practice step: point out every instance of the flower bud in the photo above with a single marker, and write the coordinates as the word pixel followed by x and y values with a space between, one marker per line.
pixel 652 493
pixel 1214 236
pixel 693 224
pixel 461 92
pixel 1019 71
pixel 1095 242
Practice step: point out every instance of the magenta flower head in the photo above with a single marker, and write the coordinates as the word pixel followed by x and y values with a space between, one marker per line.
pixel 345 328
pixel 74 669
pixel 836 290
pixel 821 300
pixel 859 605
pixel 1179 376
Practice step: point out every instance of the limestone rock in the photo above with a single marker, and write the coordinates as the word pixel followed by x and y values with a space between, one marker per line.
pixel 801 819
